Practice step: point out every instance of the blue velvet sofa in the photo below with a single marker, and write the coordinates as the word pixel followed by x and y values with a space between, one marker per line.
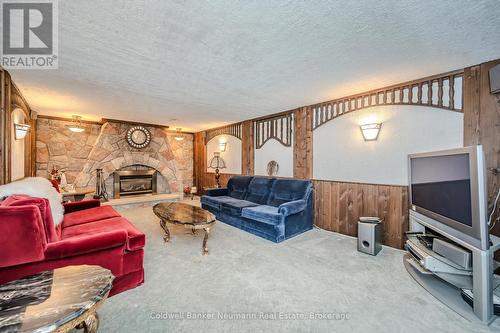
pixel 275 209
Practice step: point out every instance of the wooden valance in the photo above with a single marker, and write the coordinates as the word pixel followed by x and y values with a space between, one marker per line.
pixel 436 91
pixel 233 129
pixel 278 128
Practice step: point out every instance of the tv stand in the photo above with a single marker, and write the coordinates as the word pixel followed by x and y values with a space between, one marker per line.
pixel 448 290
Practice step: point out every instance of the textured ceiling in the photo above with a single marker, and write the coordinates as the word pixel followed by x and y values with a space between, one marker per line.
pixel 199 64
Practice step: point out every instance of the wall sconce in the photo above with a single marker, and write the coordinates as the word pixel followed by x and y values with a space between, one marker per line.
pixel 21 130
pixel 76 124
pixel 370 131
pixel 222 146
pixel 178 136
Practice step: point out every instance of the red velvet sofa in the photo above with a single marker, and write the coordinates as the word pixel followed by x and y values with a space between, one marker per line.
pixel 89 234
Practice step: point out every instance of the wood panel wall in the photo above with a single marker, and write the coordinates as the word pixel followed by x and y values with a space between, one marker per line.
pixel 338 206
pixel 303 144
pixel 3 139
pixel 11 98
pixel 247 148
pixel 482 124
pixel 200 161
pixel 208 180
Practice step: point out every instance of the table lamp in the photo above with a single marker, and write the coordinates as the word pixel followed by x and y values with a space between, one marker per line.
pixel 217 163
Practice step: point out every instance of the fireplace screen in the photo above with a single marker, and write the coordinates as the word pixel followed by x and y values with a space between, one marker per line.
pixel 136 185
pixel 131 182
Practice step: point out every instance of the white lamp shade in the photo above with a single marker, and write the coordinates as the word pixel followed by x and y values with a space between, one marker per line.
pixel 222 146
pixel 76 124
pixel 370 131
pixel 76 128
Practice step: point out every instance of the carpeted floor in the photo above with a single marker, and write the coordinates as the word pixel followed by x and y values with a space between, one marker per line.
pixel 248 284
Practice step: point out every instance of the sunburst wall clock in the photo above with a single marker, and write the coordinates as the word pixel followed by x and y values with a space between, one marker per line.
pixel 138 137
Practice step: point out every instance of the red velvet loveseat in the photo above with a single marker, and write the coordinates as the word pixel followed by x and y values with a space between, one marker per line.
pixel 89 234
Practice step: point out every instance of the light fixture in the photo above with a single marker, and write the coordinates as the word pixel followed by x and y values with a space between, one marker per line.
pixel 76 124
pixel 370 131
pixel 217 163
pixel 178 136
pixel 222 146
pixel 21 130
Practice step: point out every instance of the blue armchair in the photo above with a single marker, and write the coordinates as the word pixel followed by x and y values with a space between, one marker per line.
pixel 275 209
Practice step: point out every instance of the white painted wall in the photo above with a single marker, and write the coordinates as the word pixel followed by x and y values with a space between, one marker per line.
pixel 17 146
pixel 273 150
pixel 232 155
pixel 340 153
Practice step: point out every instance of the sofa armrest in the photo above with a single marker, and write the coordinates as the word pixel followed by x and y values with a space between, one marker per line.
pixel 217 192
pixel 22 235
pixel 85 244
pixel 70 207
pixel 292 207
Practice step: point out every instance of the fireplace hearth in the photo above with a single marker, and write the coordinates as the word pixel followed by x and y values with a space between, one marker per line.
pixel 134 182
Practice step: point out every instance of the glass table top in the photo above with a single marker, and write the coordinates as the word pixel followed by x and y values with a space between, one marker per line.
pixel 178 212
pixel 47 301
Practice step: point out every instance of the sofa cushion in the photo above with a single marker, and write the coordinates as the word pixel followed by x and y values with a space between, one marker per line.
pixel 234 207
pixel 237 186
pixel 89 215
pixel 215 202
pixel 285 190
pixel 44 208
pixel 258 189
pixel 263 213
pixel 136 239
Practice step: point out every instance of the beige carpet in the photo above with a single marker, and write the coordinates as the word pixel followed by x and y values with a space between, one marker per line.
pixel 248 284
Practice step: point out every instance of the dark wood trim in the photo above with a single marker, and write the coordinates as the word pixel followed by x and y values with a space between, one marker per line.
pixel 355 183
pixel 111 120
pixel 267 129
pixel 3 140
pixel 90 122
pixel 103 120
pixel 482 124
pixel 232 129
pixel 302 144
pixel 471 102
pixel 247 148
pixel 7 128
pixel 200 160
pixel 326 111
pixel 33 131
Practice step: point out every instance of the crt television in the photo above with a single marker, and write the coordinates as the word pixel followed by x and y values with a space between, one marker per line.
pixel 449 187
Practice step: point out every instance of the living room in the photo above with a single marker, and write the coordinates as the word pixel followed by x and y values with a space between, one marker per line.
pixel 250 166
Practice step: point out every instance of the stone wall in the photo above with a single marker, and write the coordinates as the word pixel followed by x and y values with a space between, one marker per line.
pixel 104 146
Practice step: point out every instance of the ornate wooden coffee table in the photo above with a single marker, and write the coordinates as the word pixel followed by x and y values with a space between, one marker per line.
pixel 55 301
pixel 190 216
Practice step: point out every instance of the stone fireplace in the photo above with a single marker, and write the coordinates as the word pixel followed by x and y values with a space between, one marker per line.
pixel 104 146
pixel 134 180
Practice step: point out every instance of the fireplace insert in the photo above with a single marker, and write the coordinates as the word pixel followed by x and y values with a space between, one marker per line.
pixel 130 182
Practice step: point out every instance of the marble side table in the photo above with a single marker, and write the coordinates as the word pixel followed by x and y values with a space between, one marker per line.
pixel 55 301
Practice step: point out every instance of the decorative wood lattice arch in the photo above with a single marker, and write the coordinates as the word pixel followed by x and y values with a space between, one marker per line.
pixel 233 129
pixel 278 128
pixel 440 91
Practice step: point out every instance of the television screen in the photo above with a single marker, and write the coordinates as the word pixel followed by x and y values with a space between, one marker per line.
pixel 442 185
